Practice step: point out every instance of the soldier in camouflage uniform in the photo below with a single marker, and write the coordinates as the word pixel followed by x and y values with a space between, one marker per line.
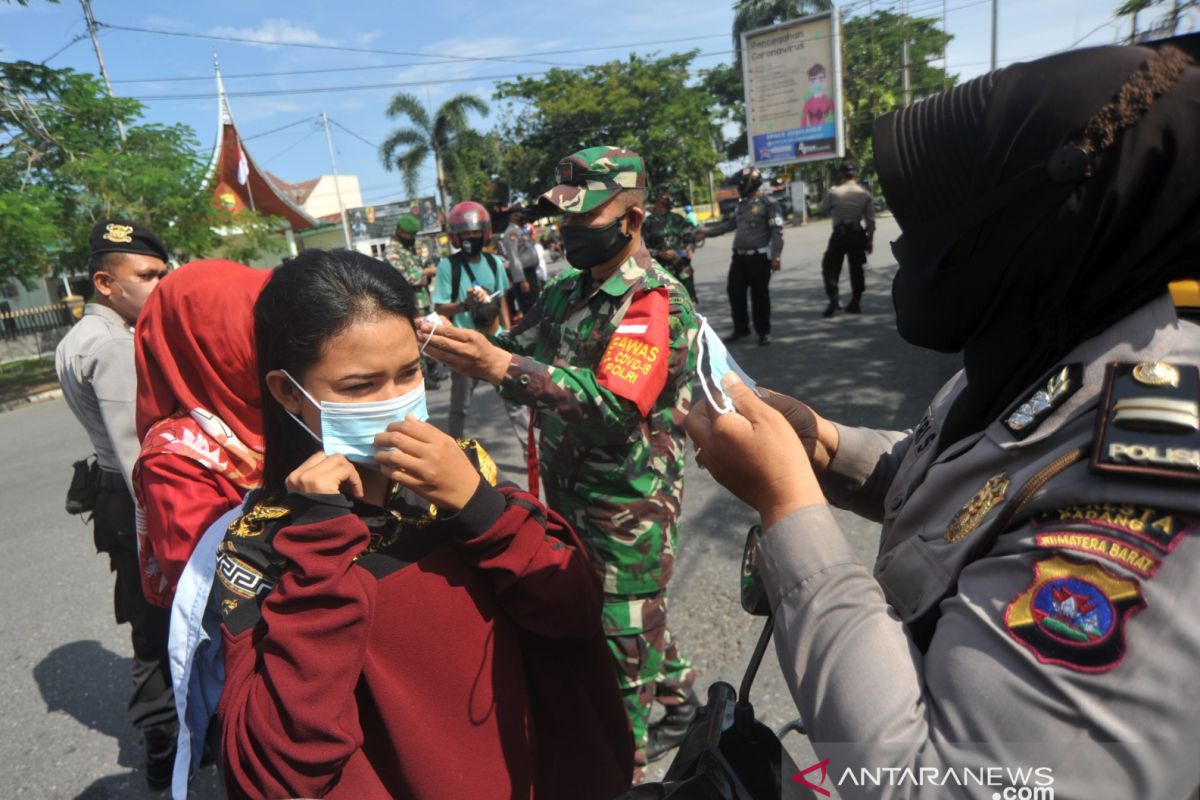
pixel 669 238
pixel 401 253
pixel 606 360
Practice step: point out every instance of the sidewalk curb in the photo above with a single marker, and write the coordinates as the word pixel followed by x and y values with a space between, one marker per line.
pixel 20 402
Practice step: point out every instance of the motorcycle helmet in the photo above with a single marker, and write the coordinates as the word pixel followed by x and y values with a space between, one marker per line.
pixel 469 217
pixel 748 180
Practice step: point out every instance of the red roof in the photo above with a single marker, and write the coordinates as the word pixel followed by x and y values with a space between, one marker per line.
pixel 258 192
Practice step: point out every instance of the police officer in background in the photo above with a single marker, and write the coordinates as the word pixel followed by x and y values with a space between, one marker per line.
pixel 1033 599
pixel 848 204
pixel 520 252
pixel 95 367
pixel 757 246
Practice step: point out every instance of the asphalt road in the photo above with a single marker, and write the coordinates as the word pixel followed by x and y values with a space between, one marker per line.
pixel 64 668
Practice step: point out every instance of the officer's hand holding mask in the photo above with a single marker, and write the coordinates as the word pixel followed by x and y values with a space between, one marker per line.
pixel 753 452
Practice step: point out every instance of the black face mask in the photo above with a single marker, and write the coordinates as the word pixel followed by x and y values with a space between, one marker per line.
pixel 590 247
pixel 471 245
pixel 408 244
pixel 748 188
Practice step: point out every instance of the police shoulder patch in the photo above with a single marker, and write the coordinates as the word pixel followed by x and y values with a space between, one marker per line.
pixel 1073 614
pixel 1149 421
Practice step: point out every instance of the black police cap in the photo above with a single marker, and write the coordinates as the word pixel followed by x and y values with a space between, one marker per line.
pixel 125 236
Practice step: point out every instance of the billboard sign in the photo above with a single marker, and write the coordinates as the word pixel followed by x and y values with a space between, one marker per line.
pixel 379 221
pixel 793 83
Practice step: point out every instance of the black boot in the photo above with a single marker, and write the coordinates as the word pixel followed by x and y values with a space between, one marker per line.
pixel 830 309
pixel 670 731
pixel 160 756
pixel 853 307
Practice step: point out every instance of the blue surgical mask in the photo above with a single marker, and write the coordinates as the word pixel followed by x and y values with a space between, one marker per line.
pixel 350 428
pixel 712 364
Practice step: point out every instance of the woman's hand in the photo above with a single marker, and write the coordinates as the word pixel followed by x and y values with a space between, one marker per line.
pixel 427 461
pixel 817 434
pixel 322 474
pixel 754 453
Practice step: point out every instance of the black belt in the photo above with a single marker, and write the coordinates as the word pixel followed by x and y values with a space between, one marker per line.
pixel 111 480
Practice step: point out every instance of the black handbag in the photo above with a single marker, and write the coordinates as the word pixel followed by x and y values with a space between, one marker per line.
pixel 85 486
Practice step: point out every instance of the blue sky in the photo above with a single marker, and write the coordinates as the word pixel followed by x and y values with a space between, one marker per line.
pixel 522 35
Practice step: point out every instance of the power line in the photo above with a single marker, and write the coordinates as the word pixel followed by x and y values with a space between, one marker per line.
pixel 277 130
pixel 355 135
pixel 372 86
pixel 509 57
pixel 307 135
pixel 74 41
pixel 341 48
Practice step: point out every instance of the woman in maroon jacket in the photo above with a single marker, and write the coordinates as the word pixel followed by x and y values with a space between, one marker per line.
pixel 394 625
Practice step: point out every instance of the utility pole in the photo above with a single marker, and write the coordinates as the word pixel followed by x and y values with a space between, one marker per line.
pixel 905 77
pixel 337 184
pixel 91 26
pixel 995 15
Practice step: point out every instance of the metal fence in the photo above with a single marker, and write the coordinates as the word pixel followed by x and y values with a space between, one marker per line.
pixel 24 321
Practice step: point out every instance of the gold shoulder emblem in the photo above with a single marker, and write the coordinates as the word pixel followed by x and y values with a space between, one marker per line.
pixel 972 514
pixel 254 521
pixel 118 234
pixel 1156 373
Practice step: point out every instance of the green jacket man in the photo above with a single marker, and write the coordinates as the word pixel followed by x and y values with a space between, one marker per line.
pixel 605 360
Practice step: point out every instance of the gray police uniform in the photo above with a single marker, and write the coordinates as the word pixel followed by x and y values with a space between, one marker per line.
pixel 1034 602
pixel 512 242
pixel 758 241
pixel 95 368
pixel 849 207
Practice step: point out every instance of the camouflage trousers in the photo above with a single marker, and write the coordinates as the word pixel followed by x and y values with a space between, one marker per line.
pixel 650 667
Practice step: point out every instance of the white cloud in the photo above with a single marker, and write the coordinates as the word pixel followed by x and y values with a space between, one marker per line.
pixel 274 32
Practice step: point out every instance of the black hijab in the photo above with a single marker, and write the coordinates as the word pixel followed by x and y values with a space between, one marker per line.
pixel 1040 204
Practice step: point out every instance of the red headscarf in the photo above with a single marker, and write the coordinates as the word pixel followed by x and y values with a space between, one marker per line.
pixel 197 383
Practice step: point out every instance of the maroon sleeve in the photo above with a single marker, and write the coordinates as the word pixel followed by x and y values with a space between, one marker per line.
pixel 541 574
pixel 180 499
pixel 289 718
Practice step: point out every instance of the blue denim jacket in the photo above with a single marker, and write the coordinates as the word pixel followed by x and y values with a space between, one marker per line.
pixel 194 649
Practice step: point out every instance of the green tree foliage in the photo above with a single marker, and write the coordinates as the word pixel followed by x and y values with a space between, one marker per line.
pixel 645 104
pixel 873 71
pixel 409 147
pixel 471 160
pixel 63 167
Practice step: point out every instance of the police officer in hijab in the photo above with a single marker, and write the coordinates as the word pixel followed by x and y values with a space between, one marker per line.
pixel 1032 604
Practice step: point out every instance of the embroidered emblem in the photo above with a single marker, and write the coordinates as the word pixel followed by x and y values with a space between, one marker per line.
pixel 972 514
pixel 241 579
pixel 1061 385
pixel 228 606
pixel 1156 373
pixel 1163 529
pixel 118 234
pixel 1074 614
pixel 1132 558
pixel 254 521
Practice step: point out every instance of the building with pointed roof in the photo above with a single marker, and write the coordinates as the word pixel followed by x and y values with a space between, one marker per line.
pixel 237 183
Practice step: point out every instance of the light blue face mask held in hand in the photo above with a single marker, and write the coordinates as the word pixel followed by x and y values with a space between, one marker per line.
pixel 350 428
pixel 713 362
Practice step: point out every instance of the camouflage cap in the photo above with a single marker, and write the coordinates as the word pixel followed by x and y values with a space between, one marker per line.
pixel 590 178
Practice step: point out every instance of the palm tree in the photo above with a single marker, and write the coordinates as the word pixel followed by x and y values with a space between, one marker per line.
pixel 408 148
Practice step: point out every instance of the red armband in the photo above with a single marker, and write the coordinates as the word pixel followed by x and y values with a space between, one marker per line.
pixel 635 364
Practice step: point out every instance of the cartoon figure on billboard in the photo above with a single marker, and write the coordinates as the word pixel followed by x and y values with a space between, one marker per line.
pixel 817 105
